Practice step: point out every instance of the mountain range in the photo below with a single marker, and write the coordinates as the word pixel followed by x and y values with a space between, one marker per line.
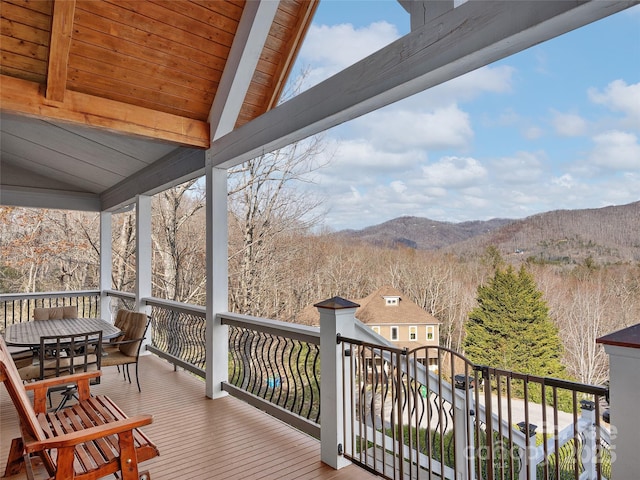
pixel 606 235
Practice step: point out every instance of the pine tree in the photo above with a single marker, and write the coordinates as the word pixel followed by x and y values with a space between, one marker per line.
pixel 511 328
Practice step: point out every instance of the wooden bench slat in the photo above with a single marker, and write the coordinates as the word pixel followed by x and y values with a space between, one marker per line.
pixel 100 447
pixel 87 454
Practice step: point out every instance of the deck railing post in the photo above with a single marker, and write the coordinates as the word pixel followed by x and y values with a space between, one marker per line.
pixel 337 317
pixel 143 258
pixel 588 454
pixel 463 441
pixel 623 348
pixel 217 334
pixel 105 265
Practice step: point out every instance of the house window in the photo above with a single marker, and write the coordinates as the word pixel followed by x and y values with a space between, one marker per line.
pixel 413 333
pixel 376 329
pixel 391 300
pixel 394 333
pixel 429 333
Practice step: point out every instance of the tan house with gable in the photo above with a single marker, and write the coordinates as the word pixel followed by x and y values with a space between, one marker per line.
pixel 389 313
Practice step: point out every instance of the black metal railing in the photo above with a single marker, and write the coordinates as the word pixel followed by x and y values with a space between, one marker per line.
pixel 177 334
pixel 429 411
pixel 16 308
pixel 276 366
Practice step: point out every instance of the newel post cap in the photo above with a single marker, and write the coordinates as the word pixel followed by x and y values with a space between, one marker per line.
pixel 336 303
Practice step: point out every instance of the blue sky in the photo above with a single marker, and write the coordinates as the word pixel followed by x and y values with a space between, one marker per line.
pixel 554 127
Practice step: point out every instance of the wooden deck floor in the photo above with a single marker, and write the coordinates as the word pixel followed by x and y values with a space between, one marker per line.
pixel 200 438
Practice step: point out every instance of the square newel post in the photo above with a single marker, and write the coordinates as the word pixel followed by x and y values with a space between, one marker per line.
pixel 106 261
pixel 623 348
pixel 337 316
pixel 216 334
pixel 143 258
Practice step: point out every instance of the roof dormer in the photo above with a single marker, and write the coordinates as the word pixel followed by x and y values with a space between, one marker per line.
pixel 391 301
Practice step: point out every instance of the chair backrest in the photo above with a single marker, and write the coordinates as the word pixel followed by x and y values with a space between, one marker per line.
pixel 55 313
pixel 68 354
pixel 134 325
pixel 11 379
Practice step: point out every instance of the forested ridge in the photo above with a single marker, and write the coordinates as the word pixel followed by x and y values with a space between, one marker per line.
pixel 278 265
pixel 607 235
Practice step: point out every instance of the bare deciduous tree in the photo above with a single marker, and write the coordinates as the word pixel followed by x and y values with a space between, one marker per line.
pixel 264 206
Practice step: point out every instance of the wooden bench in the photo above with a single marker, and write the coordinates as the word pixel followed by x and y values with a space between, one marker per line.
pixel 88 440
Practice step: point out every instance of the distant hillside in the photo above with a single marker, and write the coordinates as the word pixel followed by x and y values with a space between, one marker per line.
pixel 607 235
pixel 422 233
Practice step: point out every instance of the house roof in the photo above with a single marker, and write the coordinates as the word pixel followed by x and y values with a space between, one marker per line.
pixel 94 92
pixel 372 310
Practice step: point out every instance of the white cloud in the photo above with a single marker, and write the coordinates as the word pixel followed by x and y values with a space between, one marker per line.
pixel 616 150
pixel 398 186
pixel 620 97
pixel 325 47
pixel 401 130
pixel 360 155
pixel 568 124
pixel 564 181
pixel 532 132
pixel 523 167
pixel 454 172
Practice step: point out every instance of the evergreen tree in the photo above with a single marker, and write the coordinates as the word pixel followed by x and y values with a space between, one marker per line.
pixel 511 328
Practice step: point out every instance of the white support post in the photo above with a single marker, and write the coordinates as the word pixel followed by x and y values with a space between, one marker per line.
pixel 216 335
pixel 106 262
pixel 623 348
pixel 588 453
pixel 337 316
pixel 143 256
pixel 463 442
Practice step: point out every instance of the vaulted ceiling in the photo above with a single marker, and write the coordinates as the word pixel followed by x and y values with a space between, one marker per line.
pixel 101 100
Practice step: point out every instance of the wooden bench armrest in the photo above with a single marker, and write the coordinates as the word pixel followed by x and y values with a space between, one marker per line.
pixel 92 433
pixel 52 382
pixel 41 387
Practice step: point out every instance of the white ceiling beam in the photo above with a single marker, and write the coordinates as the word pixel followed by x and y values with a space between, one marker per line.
pixel 470 36
pixel 29 197
pixel 176 167
pixel 248 43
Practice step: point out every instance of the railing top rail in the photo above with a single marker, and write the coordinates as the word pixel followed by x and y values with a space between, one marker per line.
pixel 186 308
pixel 364 343
pixel 294 331
pixel 548 381
pixel 9 297
pixel 118 293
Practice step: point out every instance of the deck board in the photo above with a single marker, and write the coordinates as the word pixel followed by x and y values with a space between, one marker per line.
pixel 200 438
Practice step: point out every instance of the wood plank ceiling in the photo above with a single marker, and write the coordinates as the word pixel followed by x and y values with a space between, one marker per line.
pixel 148 70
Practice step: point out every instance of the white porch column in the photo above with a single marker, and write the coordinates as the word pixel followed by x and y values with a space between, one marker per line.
pixel 337 316
pixel 216 335
pixel 106 264
pixel 623 348
pixel 143 257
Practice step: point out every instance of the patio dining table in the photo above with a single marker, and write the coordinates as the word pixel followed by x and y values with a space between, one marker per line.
pixel 28 334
